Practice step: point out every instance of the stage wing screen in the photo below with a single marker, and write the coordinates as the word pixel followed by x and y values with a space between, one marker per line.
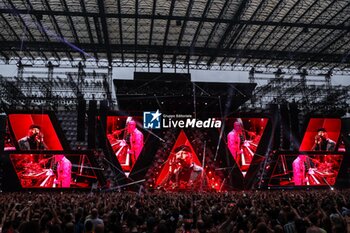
pixel 306 170
pixel 40 170
pixel 322 134
pixel 34 132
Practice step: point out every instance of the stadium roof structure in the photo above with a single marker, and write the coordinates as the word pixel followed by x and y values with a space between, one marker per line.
pixel 202 34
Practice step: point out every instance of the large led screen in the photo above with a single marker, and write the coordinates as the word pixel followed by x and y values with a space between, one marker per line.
pixel 242 138
pixel 40 170
pixel 127 139
pixel 322 134
pixel 184 171
pixel 34 132
pixel 306 170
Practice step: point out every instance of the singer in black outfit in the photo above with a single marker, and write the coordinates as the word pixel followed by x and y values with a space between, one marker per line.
pixel 323 142
pixel 34 139
pixel 183 173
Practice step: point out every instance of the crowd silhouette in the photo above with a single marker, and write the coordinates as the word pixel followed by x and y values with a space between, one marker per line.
pixel 245 211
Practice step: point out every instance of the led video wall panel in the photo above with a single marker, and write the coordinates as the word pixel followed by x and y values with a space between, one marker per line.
pixel 306 169
pixel 127 139
pixel 243 136
pixel 34 132
pixel 322 134
pixel 53 170
pixel 184 171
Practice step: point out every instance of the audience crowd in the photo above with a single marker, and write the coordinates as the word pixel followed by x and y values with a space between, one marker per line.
pixel 249 211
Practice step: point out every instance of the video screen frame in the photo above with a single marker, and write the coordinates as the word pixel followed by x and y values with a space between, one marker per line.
pixel 306 169
pixel 36 170
pixel 321 127
pixel 183 170
pixel 126 138
pixel 55 128
pixel 247 145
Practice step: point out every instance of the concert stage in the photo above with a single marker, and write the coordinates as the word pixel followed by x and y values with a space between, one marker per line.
pixel 173 135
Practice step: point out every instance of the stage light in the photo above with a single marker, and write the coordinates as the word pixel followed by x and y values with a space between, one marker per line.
pixel 332 188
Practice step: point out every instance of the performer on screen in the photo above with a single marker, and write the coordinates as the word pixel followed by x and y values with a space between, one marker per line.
pixel 62 168
pixel 134 138
pixel 127 148
pixel 183 173
pixel 34 139
pixel 323 142
pixel 302 166
pixel 235 141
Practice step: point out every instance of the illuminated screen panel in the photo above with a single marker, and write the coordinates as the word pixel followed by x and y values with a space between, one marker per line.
pixel 183 170
pixel 316 139
pixel 53 170
pixel 8 140
pixel 34 132
pixel 306 170
pixel 243 139
pixel 126 139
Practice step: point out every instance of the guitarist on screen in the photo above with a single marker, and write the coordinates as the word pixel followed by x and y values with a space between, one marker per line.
pixel 183 173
